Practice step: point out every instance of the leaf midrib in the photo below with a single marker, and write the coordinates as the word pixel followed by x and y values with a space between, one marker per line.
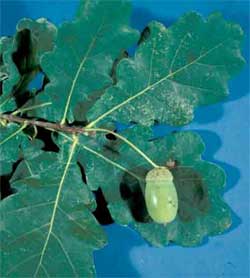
pixel 93 123
pixel 12 135
pixel 113 163
pixel 91 45
pixel 72 151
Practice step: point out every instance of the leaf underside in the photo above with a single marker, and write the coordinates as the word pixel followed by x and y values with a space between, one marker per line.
pixel 48 228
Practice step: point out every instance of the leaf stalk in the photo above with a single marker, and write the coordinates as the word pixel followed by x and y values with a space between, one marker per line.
pixel 125 140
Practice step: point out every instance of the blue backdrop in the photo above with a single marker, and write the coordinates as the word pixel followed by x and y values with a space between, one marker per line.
pixel 225 130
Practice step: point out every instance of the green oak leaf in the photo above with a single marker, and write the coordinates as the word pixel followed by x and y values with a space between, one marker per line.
pixel 15 145
pixel 81 63
pixel 174 70
pixel 120 172
pixel 7 66
pixel 99 153
pixel 42 37
pixel 20 57
pixel 48 228
pixel 83 106
pixel 50 214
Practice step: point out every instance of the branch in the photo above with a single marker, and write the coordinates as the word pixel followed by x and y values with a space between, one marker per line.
pixel 47 125
pixel 74 130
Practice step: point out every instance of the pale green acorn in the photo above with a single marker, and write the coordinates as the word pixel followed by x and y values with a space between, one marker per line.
pixel 161 196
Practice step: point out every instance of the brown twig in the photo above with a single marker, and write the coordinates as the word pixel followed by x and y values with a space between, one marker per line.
pixel 47 125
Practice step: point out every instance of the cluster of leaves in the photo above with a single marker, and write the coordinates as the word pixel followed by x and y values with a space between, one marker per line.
pixel 90 82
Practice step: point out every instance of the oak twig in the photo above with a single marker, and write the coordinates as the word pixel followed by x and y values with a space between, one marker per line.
pixel 74 130
pixel 47 125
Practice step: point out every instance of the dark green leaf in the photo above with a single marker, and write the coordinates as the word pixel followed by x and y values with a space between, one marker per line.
pixel 174 70
pixel 15 145
pixel 20 57
pixel 49 229
pixel 120 173
pixel 81 63
pixel 9 75
pixel 83 106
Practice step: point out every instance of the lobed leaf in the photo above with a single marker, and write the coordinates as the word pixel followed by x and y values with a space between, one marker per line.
pixel 120 173
pixel 15 145
pixel 20 58
pixel 9 75
pixel 174 70
pixel 85 105
pixel 80 65
pixel 49 229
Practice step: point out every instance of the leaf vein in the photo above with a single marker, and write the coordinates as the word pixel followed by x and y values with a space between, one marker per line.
pixel 151 64
pixel 65 252
pixel 27 233
pixel 148 88
pixel 45 271
pixel 177 51
pixel 31 207
pixel 71 218
pixel 93 41
pixel 22 262
pixel 56 205
pixel 12 135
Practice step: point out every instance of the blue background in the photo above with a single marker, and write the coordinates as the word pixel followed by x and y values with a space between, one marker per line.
pixel 225 130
